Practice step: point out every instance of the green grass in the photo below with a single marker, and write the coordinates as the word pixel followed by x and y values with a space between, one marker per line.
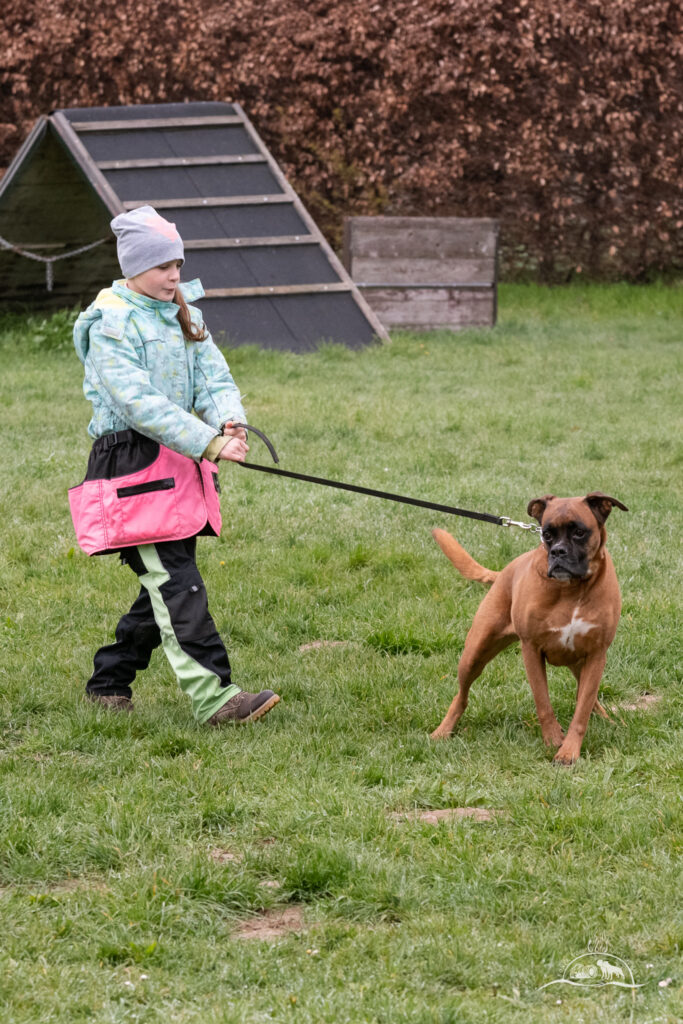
pixel 114 905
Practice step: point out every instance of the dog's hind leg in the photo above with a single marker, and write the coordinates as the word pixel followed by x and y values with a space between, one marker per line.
pixel 480 648
pixel 598 709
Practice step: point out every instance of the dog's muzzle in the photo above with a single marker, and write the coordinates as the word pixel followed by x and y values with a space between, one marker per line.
pixel 558 570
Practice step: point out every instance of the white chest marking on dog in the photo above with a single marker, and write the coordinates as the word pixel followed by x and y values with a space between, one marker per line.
pixel 577 627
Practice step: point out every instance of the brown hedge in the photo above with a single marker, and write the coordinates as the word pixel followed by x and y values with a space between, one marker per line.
pixel 563 120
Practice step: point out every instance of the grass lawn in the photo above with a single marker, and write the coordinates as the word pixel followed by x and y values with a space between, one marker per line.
pixel 135 851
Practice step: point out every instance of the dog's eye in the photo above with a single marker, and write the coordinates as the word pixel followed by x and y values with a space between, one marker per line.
pixel 579 534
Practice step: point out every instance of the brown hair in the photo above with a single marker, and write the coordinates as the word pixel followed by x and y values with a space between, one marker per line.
pixel 191 332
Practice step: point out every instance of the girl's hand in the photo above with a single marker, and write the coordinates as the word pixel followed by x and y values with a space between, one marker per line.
pixel 235 449
pixel 231 431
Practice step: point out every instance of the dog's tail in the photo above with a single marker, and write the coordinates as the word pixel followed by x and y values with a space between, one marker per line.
pixel 463 562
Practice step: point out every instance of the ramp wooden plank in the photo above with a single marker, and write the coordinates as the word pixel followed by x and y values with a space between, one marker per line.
pixel 285 289
pixel 178 161
pixel 198 201
pixel 147 122
pixel 250 243
pixel 156 111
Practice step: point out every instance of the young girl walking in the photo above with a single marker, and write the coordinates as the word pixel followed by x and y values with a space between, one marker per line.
pixel 151 485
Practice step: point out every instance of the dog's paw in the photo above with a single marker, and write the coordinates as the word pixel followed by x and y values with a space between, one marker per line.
pixel 567 755
pixel 554 737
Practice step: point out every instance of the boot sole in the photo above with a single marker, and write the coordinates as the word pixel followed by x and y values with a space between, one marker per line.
pixel 260 712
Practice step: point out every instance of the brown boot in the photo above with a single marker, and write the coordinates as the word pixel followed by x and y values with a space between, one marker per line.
pixel 113 701
pixel 245 707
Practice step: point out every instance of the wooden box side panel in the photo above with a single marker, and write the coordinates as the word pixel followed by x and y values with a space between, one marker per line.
pixel 433 308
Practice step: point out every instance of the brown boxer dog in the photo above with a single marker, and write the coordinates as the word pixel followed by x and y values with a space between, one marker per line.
pixel 562 601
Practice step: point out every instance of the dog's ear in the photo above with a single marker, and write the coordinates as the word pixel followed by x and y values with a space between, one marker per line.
pixel 536 506
pixel 601 505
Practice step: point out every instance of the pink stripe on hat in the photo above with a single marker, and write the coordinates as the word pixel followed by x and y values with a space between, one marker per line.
pixel 144 240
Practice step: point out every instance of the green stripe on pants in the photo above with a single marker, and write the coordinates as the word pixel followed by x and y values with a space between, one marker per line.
pixel 202 686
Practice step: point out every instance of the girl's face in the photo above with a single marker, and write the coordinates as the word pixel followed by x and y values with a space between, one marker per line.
pixel 158 283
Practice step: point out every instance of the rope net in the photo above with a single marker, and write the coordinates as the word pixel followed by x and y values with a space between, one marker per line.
pixel 49 261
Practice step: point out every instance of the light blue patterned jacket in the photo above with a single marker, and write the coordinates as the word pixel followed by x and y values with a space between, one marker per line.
pixel 141 373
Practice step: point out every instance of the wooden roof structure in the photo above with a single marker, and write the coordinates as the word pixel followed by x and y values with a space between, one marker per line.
pixel 269 275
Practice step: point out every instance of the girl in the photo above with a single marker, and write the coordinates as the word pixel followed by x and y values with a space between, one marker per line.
pixel 151 484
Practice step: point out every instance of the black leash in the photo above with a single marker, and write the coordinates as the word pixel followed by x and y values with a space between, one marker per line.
pixel 448 509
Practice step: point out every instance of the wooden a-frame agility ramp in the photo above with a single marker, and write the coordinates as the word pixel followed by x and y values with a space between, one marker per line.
pixel 270 277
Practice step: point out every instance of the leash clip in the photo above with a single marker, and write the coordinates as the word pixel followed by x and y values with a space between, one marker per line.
pixel 506 521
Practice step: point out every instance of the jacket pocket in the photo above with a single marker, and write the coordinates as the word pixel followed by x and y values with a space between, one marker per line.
pixel 143 513
pixel 166 484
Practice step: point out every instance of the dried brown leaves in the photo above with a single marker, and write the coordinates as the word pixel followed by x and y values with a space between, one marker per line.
pixel 565 121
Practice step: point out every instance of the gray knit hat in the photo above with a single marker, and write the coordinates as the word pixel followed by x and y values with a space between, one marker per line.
pixel 145 240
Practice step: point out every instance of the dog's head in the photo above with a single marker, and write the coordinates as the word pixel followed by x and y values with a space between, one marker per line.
pixel 572 531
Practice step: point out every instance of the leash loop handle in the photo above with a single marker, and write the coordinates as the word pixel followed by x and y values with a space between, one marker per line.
pixel 259 433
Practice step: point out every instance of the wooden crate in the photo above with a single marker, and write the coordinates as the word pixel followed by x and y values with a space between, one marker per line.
pixel 425 272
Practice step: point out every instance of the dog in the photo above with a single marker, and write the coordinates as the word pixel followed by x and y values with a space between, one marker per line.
pixel 561 601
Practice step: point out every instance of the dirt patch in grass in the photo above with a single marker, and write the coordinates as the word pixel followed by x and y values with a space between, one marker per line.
pixel 272 924
pixel 646 702
pixel 55 889
pixel 221 856
pixel 77 885
pixel 433 817
pixel 315 645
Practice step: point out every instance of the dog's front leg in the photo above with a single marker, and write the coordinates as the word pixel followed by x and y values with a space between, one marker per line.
pixel 586 697
pixel 534 663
